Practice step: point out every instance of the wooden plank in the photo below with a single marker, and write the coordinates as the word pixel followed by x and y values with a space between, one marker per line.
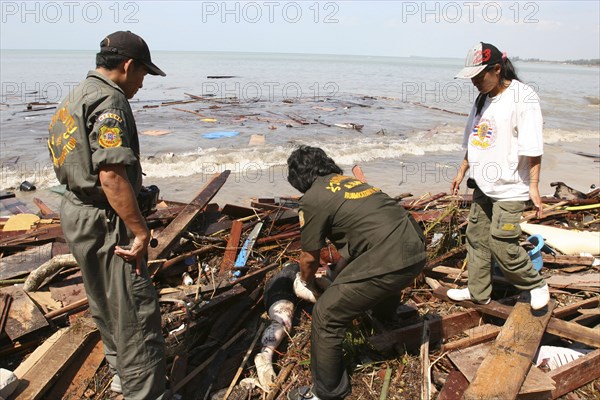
pixel 455 386
pixel 23 317
pixel 76 378
pixel 232 247
pixel 564 329
pixel 168 237
pixel 503 371
pixel 24 262
pixel 477 335
pixel 560 259
pixel 571 309
pixel 45 211
pixel 5 302
pixel 575 281
pixel 440 328
pixel 41 234
pixel 36 381
pixel 38 353
pixel 469 360
pixel 576 373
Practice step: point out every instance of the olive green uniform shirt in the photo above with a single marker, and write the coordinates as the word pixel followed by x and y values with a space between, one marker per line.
pixel 94 126
pixel 368 227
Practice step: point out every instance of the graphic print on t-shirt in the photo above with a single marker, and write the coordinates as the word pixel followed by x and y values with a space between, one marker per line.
pixel 484 134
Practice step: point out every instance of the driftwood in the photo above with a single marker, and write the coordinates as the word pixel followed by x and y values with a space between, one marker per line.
pixel 49 268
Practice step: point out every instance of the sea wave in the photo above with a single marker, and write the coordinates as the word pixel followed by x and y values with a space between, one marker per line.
pixel 346 151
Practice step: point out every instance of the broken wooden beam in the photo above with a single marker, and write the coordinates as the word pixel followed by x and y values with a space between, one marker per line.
pixel 476 335
pixel 565 329
pixel 45 211
pixel 168 237
pixel 571 309
pixel 576 373
pixel 537 384
pixel 37 380
pixel 76 378
pixel 503 371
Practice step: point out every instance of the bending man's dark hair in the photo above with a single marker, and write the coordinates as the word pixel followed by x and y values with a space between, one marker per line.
pixel 306 164
pixel 507 73
pixel 109 61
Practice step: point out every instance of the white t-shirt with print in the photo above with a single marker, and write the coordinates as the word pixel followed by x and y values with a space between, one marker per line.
pixel 499 140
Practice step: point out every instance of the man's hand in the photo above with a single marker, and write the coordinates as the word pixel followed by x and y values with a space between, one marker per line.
pixel 120 195
pixel 135 252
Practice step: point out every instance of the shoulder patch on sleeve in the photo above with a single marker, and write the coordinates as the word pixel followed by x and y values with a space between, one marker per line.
pixel 301 217
pixel 109 137
pixel 109 115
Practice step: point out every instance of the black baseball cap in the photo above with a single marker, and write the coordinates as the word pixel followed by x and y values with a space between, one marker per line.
pixel 480 56
pixel 130 45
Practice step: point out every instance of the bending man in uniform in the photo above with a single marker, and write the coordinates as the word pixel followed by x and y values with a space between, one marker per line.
pixel 94 146
pixel 384 249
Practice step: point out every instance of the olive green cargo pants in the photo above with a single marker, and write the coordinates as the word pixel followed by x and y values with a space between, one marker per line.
pixel 332 315
pixel 124 306
pixel 494 230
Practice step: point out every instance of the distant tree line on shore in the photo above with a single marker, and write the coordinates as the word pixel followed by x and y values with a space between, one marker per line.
pixel 593 61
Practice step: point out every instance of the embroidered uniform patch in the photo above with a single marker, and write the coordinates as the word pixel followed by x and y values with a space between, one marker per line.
pixel 114 116
pixel 508 227
pixel 301 218
pixel 109 137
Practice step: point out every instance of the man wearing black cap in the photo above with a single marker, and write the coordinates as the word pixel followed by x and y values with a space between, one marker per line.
pixel 94 147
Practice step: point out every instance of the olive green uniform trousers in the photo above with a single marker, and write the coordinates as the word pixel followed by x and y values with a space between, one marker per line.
pixel 332 316
pixel 124 306
pixel 494 230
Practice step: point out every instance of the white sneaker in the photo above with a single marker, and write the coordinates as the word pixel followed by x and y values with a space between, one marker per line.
pixel 463 295
pixel 115 385
pixel 539 297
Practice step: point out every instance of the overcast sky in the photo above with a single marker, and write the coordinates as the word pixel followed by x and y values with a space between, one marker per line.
pixel 552 30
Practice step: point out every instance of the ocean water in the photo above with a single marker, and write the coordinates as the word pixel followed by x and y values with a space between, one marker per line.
pixel 411 109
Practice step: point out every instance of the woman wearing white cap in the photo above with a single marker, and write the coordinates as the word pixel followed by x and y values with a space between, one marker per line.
pixel 504 142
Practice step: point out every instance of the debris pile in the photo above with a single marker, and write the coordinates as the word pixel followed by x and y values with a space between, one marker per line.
pixel 211 265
